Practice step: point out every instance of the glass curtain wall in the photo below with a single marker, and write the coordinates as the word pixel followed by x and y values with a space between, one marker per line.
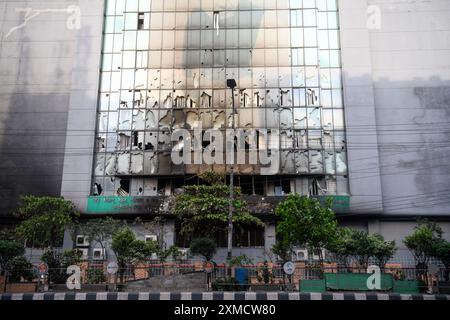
pixel 165 66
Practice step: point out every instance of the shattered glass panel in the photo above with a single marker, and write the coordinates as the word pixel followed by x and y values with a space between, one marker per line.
pixel 301 139
pixel 315 161
pixel 206 118
pixel 341 163
pixel 192 119
pixel 300 118
pixel 123 163
pixel 286 118
pixel 123 141
pixel 110 166
pixel 329 163
pixel 272 98
pixel 287 139
pixel 124 119
pixel 165 118
pixel 314 118
pixel 138 119
pixel 179 119
pixel 150 163
pixel 259 118
pixel 151 119
pixel 219 119
pixel 164 162
pixel 314 139
pixel 327 119
pixel 151 140
pixel 328 140
pixel 245 118
pixel 99 169
pixel 137 163
pixel 273 118
pixel 301 161
pixel 288 162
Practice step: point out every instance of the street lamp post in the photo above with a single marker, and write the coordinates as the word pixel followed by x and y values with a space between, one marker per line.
pixel 231 83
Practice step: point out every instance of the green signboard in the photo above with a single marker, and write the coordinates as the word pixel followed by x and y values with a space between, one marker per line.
pixel 340 203
pixel 138 205
pixel 113 204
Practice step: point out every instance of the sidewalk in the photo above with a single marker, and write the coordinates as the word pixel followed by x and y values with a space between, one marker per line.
pixel 349 296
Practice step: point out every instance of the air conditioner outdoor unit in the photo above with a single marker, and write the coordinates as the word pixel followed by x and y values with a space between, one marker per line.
pixel 316 255
pixel 82 241
pixel 184 253
pixel 151 237
pixel 154 256
pixel 84 254
pixel 98 254
pixel 301 255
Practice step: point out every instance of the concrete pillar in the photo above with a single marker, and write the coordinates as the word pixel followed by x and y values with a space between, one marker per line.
pixel 269 238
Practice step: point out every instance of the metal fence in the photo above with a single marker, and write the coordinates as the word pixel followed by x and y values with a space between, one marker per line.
pixel 269 277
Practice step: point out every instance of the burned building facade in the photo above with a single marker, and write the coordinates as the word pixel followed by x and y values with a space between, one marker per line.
pixel 165 66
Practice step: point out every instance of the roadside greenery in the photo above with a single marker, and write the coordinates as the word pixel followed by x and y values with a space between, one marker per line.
pixel 99 231
pixel 423 242
pixel 44 220
pixel 8 251
pixel 204 247
pixel 129 250
pixel 305 222
pixel 203 209
pixel 58 262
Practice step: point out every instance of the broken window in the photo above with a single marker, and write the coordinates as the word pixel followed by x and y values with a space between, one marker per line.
pixel 286 118
pixel 124 188
pixel 123 141
pixel 137 163
pixel 150 163
pixel 123 163
pixel 315 161
pixel 314 118
pixel 301 162
pixel 287 162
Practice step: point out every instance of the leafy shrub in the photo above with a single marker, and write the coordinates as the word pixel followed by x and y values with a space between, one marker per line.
pixel 19 267
pixel 204 247
pixel 96 276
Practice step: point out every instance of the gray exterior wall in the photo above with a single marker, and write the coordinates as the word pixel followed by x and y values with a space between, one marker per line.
pixel 48 87
pixel 35 83
pixel 397 98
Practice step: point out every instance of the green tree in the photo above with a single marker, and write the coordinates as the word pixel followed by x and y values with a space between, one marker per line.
pixel 442 252
pixel 340 246
pixel 422 243
pixel 129 250
pixel 8 251
pixel 203 209
pixel 306 222
pixel 383 250
pixel 58 262
pixel 204 247
pixel 100 231
pixel 44 220
pixel 362 247
pixel 283 250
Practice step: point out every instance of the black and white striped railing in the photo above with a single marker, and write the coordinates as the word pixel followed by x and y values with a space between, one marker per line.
pixel 107 296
